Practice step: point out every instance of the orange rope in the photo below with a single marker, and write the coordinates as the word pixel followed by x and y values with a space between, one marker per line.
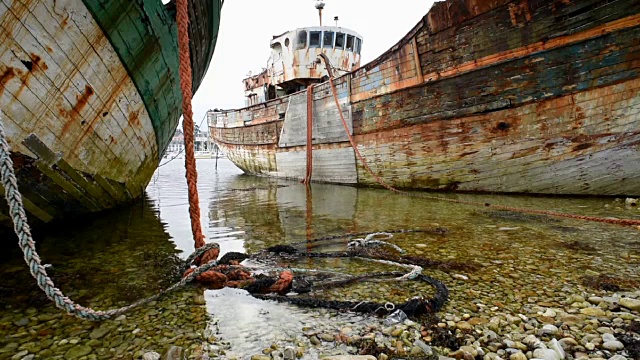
pixel 187 120
pixel 625 222
pixel 307 178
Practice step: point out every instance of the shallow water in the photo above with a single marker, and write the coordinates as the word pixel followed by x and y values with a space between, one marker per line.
pixel 491 261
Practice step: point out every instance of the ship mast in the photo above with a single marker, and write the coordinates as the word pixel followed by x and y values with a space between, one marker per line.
pixel 320 6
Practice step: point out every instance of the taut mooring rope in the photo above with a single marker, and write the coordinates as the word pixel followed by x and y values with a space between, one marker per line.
pixel 182 16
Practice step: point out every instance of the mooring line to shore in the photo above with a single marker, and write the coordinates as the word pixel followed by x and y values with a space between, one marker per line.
pixel 379 180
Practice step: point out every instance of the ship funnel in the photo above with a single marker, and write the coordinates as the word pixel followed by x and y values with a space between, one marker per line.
pixel 320 6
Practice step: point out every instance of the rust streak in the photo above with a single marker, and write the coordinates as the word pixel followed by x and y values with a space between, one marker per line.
pixel 36 64
pixel 115 91
pixel 134 119
pixel 416 60
pixel 74 113
pixel 6 76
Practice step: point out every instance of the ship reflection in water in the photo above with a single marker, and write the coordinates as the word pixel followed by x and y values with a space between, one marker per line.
pixel 506 260
pixel 510 262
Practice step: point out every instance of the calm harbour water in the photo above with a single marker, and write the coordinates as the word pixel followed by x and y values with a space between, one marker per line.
pixel 515 263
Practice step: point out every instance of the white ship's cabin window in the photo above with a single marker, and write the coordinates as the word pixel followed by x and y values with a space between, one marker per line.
pixel 358 45
pixel 327 39
pixel 340 40
pixel 314 39
pixel 350 42
pixel 301 42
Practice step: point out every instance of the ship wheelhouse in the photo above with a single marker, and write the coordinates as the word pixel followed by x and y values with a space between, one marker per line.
pixel 294 64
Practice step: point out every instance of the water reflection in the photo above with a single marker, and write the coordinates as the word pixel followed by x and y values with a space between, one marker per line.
pixel 501 259
pixel 512 261
pixel 264 209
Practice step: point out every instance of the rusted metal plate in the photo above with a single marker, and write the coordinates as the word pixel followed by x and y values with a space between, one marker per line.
pixel 287 62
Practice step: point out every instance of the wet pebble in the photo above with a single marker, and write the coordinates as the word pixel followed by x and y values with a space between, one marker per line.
pixel 613 345
pixel 518 356
pixel 593 311
pixel 549 330
pixel 19 355
pixel 618 357
pixel 629 303
pixel 568 343
pixel 327 337
pixel 77 351
pixel 152 355
pixel 99 332
pixel 21 322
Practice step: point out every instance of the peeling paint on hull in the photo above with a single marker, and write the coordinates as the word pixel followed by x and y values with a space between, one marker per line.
pixel 82 136
pixel 510 96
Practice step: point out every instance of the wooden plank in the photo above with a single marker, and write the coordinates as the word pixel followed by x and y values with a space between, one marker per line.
pixel 55 162
pixel 31 208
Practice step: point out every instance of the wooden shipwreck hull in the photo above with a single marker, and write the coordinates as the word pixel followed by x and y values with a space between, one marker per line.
pixel 526 96
pixel 90 96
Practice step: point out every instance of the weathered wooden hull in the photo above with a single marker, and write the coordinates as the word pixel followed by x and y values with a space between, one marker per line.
pixel 528 96
pixel 90 97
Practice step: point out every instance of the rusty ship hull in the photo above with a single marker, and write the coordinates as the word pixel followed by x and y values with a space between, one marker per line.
pixel 526 96
pixel 90 96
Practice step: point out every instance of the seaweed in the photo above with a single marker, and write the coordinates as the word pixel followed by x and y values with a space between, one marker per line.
pixel 578 246
pixel 631 345
pixel 609 283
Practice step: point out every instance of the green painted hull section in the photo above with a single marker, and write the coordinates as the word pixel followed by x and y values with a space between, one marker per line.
pixel 144 34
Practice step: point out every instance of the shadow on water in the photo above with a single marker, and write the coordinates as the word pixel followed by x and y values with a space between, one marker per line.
pixel 101 257
pixel 102 262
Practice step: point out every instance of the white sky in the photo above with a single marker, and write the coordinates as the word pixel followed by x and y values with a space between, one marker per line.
pixel 247 26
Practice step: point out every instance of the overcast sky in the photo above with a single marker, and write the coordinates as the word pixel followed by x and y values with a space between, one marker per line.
pixel 247 26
